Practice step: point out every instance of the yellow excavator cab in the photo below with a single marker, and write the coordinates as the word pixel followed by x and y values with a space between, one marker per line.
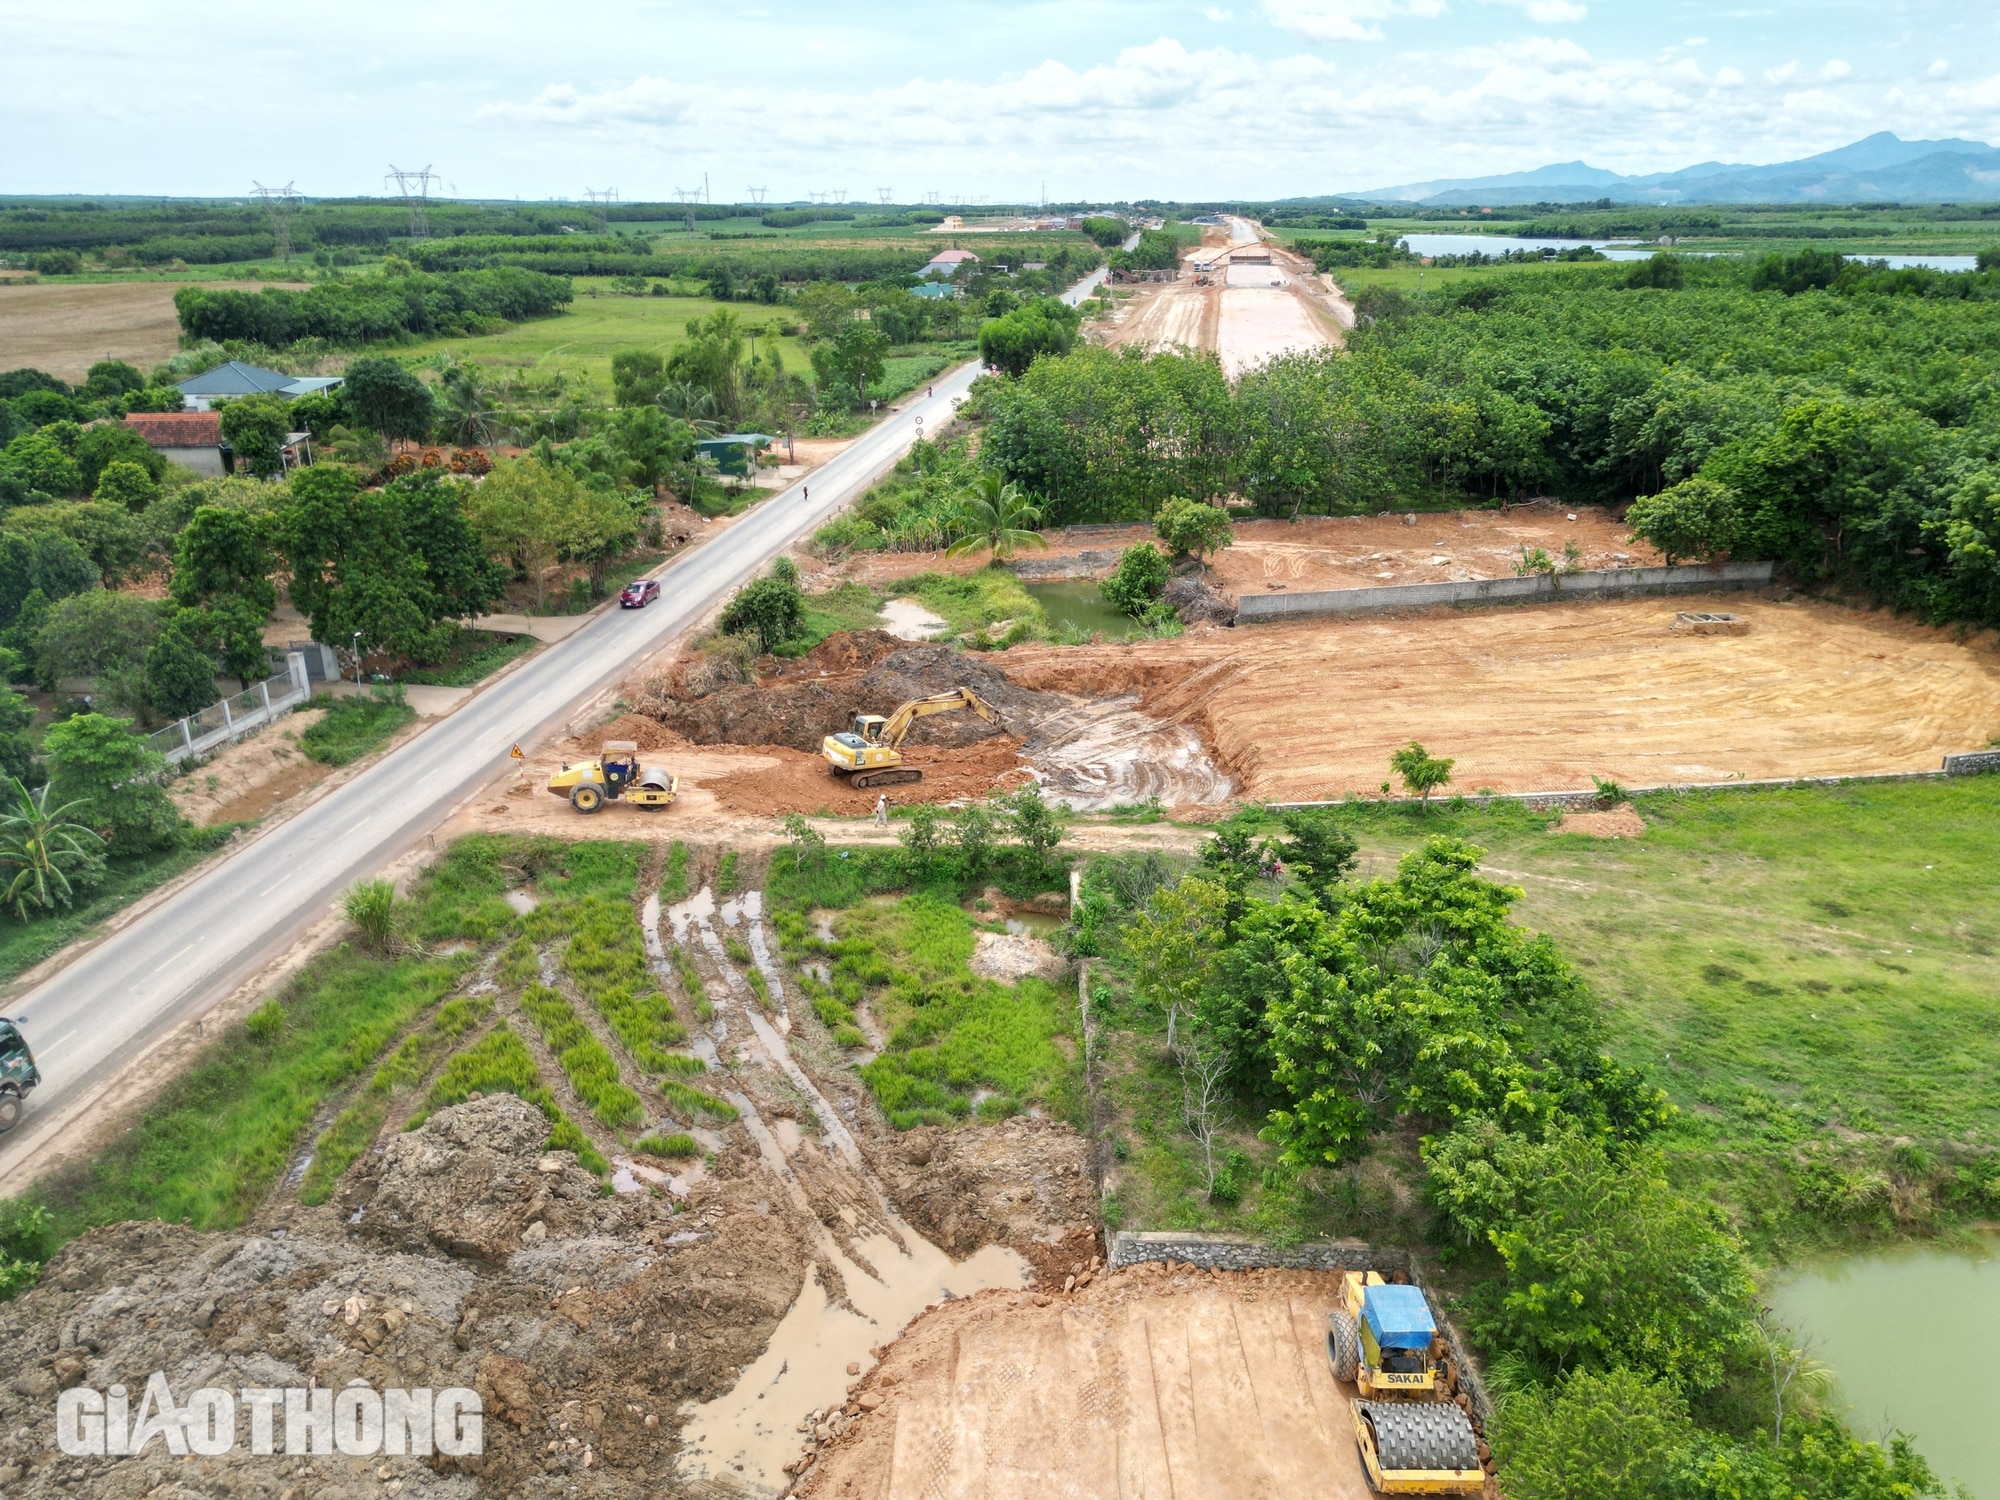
pixel 867 755
pixel 616 773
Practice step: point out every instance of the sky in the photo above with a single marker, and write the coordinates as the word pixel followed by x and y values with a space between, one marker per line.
pixel 1088 100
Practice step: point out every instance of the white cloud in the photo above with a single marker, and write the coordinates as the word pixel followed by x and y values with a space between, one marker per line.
pixel 1695 41
pixel 1834 71
pixel 1218 14
pixel 1784 74
pixel 642 102
pixel 1728 78
pixel 1344 20
pixel 1548 12
pixel 1937 69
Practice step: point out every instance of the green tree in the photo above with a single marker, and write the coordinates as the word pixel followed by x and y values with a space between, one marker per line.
pixel 109 379
pixel 355 570
pixel 431 512
pixel 109 535
pixel 972 831
pixel 920 836
pixel 804 840
pixel 1614 1435
pixel 17 751
pixel 851 360
pixel 128 484
pixel 770 608
pixel 536 512
pixel 40 462
pixel 180 676
pixel 1136 584
pixel 255 428
pixel 652 444
pixel 225 552
pixel 995 516
pixel 103 444
pixel 97 764
pixel 636 376
pixel 1044 327
pixel 1174 944
pixel 1422 772
pixel 1037 827
pixel 96 635
pixel 44 857
pixel 1662 269
pixel 388 399
pixel 318 413
pixel 1319 852
pixel 1697 518
pixel 1193 529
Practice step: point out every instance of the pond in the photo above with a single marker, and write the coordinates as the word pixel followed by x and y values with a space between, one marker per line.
pixel 1500 244
pixel 1907 1334
pixel 1078 603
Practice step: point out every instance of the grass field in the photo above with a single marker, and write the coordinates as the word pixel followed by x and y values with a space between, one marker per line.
pixel 600 323
pixel 1811 974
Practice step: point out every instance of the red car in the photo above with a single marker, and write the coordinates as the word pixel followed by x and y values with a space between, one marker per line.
pixel 639 593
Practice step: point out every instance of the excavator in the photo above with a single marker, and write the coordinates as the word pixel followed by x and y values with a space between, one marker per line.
pixel 867 755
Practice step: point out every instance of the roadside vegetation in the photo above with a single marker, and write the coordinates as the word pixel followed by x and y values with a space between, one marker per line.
pixel 349 728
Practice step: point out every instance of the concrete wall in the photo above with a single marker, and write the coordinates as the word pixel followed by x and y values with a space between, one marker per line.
pixel 1972 762
pixel 1695 578
pixel 1234 1253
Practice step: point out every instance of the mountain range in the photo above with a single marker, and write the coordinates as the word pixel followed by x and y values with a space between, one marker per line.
pixel 1882 168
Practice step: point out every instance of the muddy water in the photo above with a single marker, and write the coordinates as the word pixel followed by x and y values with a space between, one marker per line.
pixel 1081 605
pixel 1875 1320
pixel 908 620
pixel 1102 755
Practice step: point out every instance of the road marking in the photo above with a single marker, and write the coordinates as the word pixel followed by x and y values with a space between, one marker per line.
pixel 176 958
pixel 45 1051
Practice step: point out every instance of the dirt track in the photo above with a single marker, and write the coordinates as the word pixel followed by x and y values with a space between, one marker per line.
pixel 1542 699
pixel 1145 1383
pixel 65 329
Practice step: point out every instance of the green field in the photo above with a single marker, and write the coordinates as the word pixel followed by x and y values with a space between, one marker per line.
pixel 599 324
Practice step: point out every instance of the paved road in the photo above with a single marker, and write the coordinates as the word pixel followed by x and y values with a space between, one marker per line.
pixel 178 959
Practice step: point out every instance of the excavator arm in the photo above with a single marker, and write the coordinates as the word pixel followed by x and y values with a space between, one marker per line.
pixel 899 722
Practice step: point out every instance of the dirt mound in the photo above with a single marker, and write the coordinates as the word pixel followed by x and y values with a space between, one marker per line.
pixel 647 734
pixel 1024 1183
pixel 584 1342
pixel 1198 602
pixel 801 782
pixel 839 655
pixel 799 711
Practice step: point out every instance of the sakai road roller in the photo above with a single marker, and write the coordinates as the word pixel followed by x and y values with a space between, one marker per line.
pixel 867 755
pixel 612 776
pixel 1383 1338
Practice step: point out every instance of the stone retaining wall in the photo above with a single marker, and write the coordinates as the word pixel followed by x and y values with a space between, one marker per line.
pixel 1692 579
pixel 1219 1252
pixel 1972 763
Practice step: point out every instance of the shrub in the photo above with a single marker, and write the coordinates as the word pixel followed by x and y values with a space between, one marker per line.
pixel 371 906
pixel 265 1022
pixel 675 1146
pixel 1697 518
pixel 1139 580
pixel 770 608
pixel 1602 1436
pixel 1191 528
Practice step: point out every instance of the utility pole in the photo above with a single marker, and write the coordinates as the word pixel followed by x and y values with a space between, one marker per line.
pixel 279 201
pixel 885 194
pixel 688 197
pixel 416 190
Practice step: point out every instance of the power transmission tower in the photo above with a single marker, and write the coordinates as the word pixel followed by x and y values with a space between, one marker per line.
pixel 598 198
pixel 930 195
pixel 279 201
pixel 416 190
pixel 840 195
pixel 688 198
pixel 885 194
pixel 757 194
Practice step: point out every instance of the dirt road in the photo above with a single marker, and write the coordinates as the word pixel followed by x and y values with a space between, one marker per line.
pixel 64 329
pixel 1145 1383
pixel 1540 699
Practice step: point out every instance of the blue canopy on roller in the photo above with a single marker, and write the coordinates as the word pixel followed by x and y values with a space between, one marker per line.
pixel 1398 1317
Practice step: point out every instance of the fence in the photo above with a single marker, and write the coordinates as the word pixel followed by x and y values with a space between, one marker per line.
pixel 222 722
pixel 1693 578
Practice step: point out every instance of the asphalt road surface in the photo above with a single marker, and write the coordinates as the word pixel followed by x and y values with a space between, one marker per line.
pixel 123 995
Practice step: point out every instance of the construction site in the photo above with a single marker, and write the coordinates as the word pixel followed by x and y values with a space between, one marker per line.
pixel 1238 294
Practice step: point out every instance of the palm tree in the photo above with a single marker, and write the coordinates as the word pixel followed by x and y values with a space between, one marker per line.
pixel 996 516
pixel 692 404
pixel 466 411
pixel 41 848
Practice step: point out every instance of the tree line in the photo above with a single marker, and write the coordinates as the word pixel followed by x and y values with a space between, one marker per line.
pixel 405 303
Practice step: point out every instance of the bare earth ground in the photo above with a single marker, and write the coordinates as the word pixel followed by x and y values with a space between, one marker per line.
pixel 1145 1383
pixel 1541 699
pixel 247 779
pixel 65 329
pixel 1341 552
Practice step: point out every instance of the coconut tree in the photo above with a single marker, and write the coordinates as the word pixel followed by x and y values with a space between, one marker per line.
pixel 996 517
pixel 466 412
pixel 41 850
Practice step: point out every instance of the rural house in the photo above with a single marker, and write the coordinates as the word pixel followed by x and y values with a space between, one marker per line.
pixel 946 263
pixel 192 439
pixel 239 379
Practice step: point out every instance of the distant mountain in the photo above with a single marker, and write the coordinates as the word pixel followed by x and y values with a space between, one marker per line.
pixel 1881 168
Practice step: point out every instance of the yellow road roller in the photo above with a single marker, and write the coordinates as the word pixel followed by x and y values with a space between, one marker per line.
pixel 614 775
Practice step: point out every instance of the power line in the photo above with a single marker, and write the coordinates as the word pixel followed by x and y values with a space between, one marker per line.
pixel 416 190
pixel 279 201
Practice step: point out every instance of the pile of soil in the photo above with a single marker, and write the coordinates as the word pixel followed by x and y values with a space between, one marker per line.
pixel 1198 602
pixel 802 783
pixel 1024 1183
pixel 800 704
pixel 583 1336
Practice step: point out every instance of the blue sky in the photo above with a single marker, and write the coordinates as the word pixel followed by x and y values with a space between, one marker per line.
pixel 1100 99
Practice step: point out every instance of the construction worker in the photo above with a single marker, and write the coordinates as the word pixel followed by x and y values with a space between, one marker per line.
pixel 882 811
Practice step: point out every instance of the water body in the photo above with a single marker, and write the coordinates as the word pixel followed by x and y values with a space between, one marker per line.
pixel 1878 1319
pixel 1500 244
pixel 1078 602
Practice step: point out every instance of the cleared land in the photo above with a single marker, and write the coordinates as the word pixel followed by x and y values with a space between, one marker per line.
pixel 1146 1383
pixel 65 329
pixel 1545 698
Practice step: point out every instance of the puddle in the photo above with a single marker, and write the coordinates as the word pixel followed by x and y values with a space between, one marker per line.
pixel 1033 921
pixel 751 1433
pixel 908 620
pixel 523 901
pixel 1107 754
pixel 701 905
pixel 1940 1301
pixel 789 1136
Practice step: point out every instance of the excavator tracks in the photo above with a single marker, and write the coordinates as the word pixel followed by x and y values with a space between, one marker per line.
pixel 888 776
